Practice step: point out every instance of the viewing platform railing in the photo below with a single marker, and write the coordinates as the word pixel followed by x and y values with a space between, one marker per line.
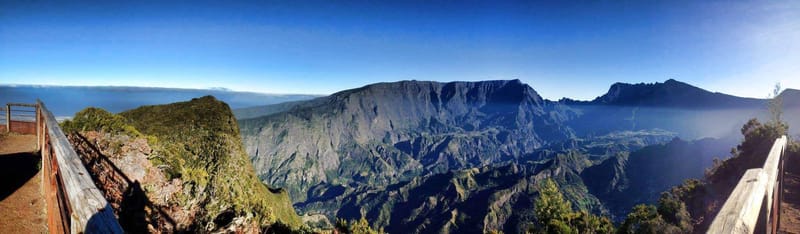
pixel 74 203
pixel 756 196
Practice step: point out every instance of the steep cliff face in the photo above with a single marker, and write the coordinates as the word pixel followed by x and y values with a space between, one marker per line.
pixel 387 132
pixel 196 167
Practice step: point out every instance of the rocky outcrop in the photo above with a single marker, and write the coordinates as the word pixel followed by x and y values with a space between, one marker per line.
pixel 182 164
pixel 120 167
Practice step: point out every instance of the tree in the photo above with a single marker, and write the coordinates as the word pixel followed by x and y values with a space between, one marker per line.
pixel 643 219
pixel 551 206
pixel 360 226
pixel 673 210
pixel 586 222
pixel 555 215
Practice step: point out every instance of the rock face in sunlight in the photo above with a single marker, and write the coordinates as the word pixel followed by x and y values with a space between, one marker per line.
pixel 186 163
pixel 387 132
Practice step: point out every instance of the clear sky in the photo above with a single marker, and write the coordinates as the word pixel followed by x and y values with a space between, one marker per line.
pixel 561 49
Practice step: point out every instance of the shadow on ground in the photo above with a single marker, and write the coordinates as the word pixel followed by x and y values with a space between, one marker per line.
pixel 15 170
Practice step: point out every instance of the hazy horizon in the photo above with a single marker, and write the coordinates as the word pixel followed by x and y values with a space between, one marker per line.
pixel 225 89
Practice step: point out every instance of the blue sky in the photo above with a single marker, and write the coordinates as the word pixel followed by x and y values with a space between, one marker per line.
pixel 561 49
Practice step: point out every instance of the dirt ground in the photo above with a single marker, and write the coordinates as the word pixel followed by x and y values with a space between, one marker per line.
pixel 15 143
pixel 22 204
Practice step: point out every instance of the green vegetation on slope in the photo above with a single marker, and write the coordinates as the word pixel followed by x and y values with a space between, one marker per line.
pixel 668 216
pixel 96 119
pixel 198 141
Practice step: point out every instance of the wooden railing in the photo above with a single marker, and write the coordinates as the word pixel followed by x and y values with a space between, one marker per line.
pixel 74 203
pixel 19 118
pixel 742 210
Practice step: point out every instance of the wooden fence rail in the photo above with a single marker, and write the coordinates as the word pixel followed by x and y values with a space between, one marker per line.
pixel 75 204
pixel 742 210
pixel 18 120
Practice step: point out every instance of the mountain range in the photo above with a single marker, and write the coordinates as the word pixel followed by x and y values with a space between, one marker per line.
pixel 465 157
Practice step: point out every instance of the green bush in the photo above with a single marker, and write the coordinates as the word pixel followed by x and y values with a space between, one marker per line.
pixel 96 119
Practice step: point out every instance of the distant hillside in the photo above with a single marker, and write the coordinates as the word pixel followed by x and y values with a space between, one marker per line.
pixel 67 100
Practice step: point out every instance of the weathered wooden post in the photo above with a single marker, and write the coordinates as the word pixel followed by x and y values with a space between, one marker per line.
pixel 37 122
pixel 8 117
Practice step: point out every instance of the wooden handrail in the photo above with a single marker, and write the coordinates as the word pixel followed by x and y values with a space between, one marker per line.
pixel 741 211
pixel 21 104
pixel 87 209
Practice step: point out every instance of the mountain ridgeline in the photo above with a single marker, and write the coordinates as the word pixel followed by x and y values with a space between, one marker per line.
pixel 671 93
